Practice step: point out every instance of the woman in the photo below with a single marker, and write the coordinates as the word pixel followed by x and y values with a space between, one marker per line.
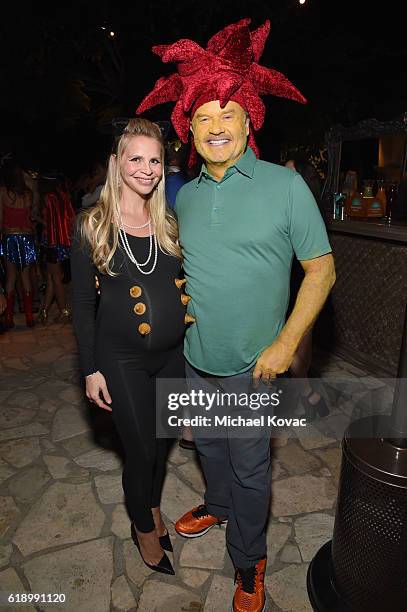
pixel 128 240
pixel 58 217
pixel 18 244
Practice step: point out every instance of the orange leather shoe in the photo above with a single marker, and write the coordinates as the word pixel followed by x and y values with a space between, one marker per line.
pixel 196 522
pixel 249 595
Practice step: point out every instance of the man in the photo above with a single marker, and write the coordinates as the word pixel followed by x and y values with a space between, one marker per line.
pixel 241 220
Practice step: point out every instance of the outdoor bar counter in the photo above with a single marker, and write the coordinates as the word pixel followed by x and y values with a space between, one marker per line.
pixel 363 319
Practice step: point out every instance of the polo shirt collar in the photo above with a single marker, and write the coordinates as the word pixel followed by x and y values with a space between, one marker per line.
pixel 244 165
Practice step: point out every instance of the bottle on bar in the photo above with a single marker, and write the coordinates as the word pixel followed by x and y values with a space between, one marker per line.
pixel 372 206
pixel 381 194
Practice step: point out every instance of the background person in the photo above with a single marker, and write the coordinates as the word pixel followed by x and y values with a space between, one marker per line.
pixel 58 217
pixel 18 243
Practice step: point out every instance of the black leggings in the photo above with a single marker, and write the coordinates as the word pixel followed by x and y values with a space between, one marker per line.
pixel 131 384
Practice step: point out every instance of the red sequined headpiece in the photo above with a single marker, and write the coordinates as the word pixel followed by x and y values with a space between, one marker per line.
pixel 226 70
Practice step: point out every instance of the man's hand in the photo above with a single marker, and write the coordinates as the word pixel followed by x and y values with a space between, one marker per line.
pixel 275 359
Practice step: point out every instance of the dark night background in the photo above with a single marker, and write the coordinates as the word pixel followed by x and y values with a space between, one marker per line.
pixel 64 77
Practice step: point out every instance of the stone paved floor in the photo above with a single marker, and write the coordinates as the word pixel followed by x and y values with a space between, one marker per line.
pixel 63 524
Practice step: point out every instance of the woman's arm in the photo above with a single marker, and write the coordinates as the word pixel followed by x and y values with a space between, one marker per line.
pixel 84 313
pixel 83 303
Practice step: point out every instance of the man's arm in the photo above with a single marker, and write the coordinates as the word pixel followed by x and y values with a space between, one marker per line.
pixel 318 281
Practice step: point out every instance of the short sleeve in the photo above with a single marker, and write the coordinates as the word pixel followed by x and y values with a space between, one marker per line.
pixel 306 227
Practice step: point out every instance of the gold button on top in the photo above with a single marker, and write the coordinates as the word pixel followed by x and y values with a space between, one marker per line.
pixel 185 298
pixel 135 291
pixel 140 308
pixel 144 329
pixel 179 282
pixel 189 319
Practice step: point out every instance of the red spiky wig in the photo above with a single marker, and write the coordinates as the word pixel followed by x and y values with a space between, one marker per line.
pixel 226 70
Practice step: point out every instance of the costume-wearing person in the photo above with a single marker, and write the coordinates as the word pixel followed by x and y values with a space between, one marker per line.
pixel 135 337
pixel 59 216
pixel 18 247
pixel 238 236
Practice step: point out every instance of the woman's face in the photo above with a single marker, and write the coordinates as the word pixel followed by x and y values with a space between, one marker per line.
pixel 141 167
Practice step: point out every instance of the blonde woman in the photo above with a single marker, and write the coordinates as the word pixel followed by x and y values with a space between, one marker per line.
pixel 128 241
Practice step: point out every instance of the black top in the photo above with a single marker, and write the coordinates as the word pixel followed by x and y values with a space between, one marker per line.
pixel 113 326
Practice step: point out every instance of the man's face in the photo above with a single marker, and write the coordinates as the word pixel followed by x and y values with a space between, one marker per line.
pixel 220 134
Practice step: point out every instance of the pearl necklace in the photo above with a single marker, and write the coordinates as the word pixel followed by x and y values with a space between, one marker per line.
pixel 129 252
pixel 136 226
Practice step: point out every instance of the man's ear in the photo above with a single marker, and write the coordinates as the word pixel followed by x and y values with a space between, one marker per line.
pixel 191 128
pixel 247 123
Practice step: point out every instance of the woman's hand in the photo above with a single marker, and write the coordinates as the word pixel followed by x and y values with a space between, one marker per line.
pixel 96 390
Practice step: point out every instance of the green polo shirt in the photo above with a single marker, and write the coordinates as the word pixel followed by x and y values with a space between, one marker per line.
pixel 238 238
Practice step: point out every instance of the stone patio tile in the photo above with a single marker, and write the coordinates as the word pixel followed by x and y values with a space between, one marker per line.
pixel 220 595
pixel 50 389
pixel 25 399
pixel 177 498
pixel 15 363
pixel 47 356
pixel 300 494
pixel 110 489
pixel 83 572
pixel 120 522
pixel 65 514
pixel 73 395
pixel 5 471
pixel 11 583
pixel 59 467
pixel 192 473
pixel 278 441
pixel 13 416
pixel 25 431
pixel 122 597
pixel 69 422
pixel 290 554
pixel 25 487
pixel 100 458
pixel 288 589
pixel 313 438
pixel 18 382
pixel 80 444
pixel 49 406
pixel 178 456
pixel 136 570
pixel 332 457
pixel 5 554
pixel 66 364
pixel 277 536
pixel 194 578
pixel 205 553
pixel 159 596
pixel 311 532
pixel 8 514
pixel 295 460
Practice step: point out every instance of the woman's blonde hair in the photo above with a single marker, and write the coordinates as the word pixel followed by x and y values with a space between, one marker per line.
pixel 99 224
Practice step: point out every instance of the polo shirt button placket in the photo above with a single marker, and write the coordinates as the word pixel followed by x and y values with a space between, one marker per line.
pixel 215 207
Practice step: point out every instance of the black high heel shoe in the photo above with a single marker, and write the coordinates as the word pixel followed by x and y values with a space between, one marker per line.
pixel 164 566
pixel 311 410
pixel 166 542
